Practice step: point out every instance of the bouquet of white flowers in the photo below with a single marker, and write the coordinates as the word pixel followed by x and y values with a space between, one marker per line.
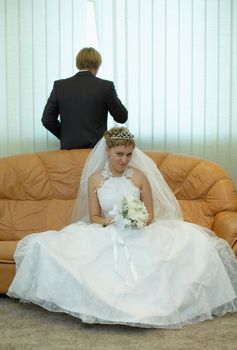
pixel 134 210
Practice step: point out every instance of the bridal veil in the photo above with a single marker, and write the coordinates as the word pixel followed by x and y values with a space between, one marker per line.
pixel 165 204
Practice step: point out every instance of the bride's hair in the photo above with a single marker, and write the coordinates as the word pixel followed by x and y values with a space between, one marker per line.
pixel 119 137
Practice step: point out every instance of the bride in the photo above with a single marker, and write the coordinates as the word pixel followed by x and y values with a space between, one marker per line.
pixel 128 257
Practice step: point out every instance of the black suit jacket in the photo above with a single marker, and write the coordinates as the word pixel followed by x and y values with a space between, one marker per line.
pixel 83 102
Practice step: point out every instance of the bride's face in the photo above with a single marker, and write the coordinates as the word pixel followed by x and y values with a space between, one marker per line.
pixel 119 157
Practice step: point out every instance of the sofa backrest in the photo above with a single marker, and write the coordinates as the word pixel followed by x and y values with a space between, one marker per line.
pixel 203 188
pixel 38 190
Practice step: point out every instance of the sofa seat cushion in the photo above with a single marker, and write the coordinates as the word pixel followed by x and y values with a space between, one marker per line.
pixel 7 249
pixel 22 217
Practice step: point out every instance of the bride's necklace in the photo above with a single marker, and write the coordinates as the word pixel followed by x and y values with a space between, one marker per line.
pixel 106 173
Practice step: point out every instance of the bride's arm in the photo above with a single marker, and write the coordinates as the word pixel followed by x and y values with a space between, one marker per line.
pixel 146 197
pixel 94 206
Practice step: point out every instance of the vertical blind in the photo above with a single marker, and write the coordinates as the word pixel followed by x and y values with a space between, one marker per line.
pixel 39 41
pixel 174 64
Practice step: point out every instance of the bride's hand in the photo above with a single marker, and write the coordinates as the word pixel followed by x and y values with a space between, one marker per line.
pixel 108 221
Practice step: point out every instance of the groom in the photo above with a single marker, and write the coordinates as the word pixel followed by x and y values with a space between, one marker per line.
pixel 83 102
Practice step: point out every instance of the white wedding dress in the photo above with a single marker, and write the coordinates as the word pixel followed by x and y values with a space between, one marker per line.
pixel 168 274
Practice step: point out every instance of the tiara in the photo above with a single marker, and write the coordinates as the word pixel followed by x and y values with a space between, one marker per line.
pixel 125 135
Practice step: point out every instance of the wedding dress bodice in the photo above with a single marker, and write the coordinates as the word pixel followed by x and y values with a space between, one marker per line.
pixel 112 191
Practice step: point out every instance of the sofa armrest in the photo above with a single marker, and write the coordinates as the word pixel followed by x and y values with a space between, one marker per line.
pixel 225 226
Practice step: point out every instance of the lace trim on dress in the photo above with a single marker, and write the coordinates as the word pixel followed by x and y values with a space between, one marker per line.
pixel 106 173
pixel 166 322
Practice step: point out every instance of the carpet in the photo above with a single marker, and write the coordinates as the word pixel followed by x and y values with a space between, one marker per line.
pixel 27 326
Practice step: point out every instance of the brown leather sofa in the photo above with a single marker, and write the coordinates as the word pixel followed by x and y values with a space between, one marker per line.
pixel 37 193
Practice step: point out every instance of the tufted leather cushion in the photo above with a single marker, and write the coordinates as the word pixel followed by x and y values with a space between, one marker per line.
pixel 37 191
pixel 202 188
